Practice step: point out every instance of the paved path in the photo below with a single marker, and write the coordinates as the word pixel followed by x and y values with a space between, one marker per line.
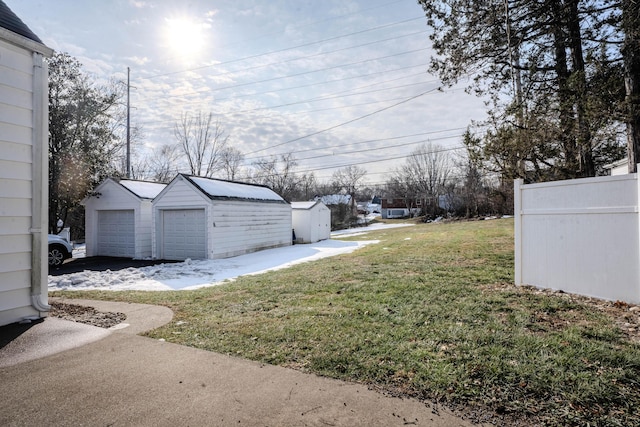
pixel 118 378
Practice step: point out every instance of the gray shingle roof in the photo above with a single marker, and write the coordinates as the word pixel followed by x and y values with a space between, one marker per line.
pixel 11 22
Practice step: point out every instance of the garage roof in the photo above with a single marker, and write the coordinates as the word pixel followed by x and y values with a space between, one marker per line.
pixel 143 189
pixel 303 205
pixel 221 189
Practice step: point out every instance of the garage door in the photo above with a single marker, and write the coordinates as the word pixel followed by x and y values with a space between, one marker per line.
pixel 184 234
pixel 116 233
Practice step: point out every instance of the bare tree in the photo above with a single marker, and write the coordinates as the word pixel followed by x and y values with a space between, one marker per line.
pixel 163 163
pixel 231 159
pixel 427 169
pixel 307 187
pixel 278 174
pixel 348 180
pixel 202 142
pixel 399 186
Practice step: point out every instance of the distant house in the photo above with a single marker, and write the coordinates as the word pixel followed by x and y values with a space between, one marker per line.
pixel 335 199
pixel 205 218
pixel 23 171
pixel 311 221
pixel 118 218
pixel 621 167
pixel 343 211
pixel 397 208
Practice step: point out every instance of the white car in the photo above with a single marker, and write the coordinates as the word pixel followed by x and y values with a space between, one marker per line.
pixel 59 250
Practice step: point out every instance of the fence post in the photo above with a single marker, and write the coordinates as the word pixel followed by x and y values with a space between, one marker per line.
pixel 637 212
pixel 517 213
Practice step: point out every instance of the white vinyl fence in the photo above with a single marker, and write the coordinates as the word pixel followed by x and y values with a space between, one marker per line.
pixel 580 236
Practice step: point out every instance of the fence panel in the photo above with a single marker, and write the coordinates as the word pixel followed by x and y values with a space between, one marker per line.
pixel 580 236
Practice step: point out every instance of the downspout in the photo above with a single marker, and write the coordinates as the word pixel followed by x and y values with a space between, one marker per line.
pixel 39 184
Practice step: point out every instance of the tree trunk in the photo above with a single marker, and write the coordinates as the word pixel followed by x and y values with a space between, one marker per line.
pixel 631 54
pixel 579 80
pixel 567 139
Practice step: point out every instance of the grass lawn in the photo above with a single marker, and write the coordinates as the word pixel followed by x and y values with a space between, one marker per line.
pixel 428 312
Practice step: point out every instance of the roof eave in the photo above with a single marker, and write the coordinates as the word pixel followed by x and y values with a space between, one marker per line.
pixel 24 42
pixel 244 199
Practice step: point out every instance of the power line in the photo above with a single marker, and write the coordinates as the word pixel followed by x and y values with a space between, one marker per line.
pixel 387 159
pixel 330 97
pixel 369 141
pixel 302 73
pixel 406 144
pixel 345 123
pixel 320 98
pixel 284 62
pixel 282 50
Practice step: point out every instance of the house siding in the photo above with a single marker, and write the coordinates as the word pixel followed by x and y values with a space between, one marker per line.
pixel 16 182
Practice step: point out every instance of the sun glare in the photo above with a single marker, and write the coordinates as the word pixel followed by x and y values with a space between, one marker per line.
pixel 184 37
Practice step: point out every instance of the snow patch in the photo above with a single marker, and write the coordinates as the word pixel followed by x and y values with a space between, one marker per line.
pixel 194 274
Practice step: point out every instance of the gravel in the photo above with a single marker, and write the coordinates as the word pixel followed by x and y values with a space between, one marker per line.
pixel 86 315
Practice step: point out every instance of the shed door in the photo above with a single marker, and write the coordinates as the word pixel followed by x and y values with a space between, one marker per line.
pixel 184 234
pixel 116 233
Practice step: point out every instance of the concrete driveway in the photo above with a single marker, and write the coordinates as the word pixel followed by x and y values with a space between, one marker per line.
pixel 115 377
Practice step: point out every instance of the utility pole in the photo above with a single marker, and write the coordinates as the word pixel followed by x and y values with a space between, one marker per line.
pixel 128 126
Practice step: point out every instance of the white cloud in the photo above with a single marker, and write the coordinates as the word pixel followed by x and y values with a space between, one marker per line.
pixel 138 4
pixel 138 60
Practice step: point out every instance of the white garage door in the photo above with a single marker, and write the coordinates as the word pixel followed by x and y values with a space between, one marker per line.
pixel 116 233
pixel 184 234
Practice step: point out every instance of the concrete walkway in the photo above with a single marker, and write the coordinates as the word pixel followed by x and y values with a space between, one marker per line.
pixel 60 373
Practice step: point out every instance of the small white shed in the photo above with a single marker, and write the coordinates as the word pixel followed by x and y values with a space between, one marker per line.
pixel 206 218
pixel 23 171
pixel 311 221
pixel 118 218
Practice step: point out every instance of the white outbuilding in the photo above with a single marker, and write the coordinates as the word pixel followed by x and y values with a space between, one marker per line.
pixel 118 218
pixel 23 171
pixel 206 218
pixel 311 221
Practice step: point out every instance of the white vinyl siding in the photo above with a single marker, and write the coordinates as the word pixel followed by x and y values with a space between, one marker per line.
pixel 243 227
pixel 184 234
pixel 15 279
pixel 143 230
pixel 116 233
pixel 16 181
pixel 14 189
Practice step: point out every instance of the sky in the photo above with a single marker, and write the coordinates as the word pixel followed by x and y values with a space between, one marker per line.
pixel 334 83
pixel 194 274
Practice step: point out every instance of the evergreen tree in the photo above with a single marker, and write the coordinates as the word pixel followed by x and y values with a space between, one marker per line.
pixel 82 143
pixel 548 67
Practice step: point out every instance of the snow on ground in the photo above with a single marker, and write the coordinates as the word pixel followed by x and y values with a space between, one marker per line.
pixel 193 274
pixel 351 232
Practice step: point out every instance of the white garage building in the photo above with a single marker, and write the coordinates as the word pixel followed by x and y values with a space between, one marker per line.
pixel 205 218
pixel 311 221
pixel 118 218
